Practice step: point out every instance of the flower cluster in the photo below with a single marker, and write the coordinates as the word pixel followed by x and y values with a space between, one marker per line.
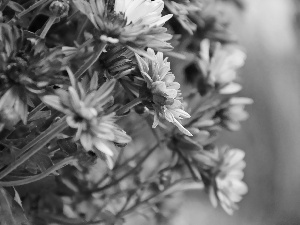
pixel 56 122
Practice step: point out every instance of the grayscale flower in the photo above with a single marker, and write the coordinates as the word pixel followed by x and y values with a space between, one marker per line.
pixel 234 113
pixel 27 67
pixel 221 68
pixel 224 167
pixel 135 23
pixel 161 92
pixel 84 107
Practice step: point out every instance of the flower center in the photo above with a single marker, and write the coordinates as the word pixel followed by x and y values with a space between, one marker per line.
pixel 16 69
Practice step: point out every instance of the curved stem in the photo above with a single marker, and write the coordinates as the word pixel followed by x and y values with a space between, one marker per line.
pixel 79 73
pixel 40 176
pixel 128 106
pixel 47 26
pixel 23 13
pixel 37 144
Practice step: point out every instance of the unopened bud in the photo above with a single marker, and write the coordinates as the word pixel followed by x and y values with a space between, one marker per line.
pixel 59 8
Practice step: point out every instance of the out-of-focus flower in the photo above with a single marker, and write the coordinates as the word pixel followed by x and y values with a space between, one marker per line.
pixel 182 10
pixel 220 69
pixel 135 23
pixel 234 112
pixel 27 67
pixel 224 168
pixel 161 92
pixel 84 106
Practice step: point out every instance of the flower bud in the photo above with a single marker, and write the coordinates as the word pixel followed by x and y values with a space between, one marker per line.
pixel 59 8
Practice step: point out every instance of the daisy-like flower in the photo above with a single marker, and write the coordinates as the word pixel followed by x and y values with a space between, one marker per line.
pixel 225 168
pixel 234 113
pixel 27 67
pixel 84 107
pixel 135 23
pixel 161 92
pixel 220 69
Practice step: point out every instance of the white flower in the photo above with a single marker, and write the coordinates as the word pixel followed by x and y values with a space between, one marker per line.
pixel 221 68
pixel 226 174
pixel 162 92
pixel 145 12
pixel 235 112
pixel 84 106
pixel 135 23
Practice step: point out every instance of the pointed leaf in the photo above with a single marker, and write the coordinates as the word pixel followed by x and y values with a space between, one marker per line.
pixel 10 211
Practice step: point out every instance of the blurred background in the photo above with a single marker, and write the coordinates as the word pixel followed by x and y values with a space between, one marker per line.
pixel 269 30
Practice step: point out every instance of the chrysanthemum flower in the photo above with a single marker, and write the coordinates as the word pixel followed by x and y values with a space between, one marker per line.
pixel 27 67
pixel 234 112
pixel 135 23
pixel 225 168
pixel 161 92
pixel 221 68
pixel 84 106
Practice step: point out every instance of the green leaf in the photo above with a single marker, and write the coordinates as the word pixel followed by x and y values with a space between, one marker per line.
pixel 10 211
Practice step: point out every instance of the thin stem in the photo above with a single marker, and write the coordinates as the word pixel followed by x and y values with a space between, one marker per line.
pixel 90 62
pixel 152 197
pixel 35 110
pixel 35 145
pixel 128 106
pixel 67 221
pixel 44 135
pixel 81 29
pixel 188 164
pixel 40 176
pixel 3 5
pixel 112 183
pixel 47 26
pixel 23 13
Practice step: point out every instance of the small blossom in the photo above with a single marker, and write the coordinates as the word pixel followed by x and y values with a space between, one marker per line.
pixel 135 23
pixel 162 93
pixel 84 106
pixel 221 68
pixel 225 168
pixel 234 113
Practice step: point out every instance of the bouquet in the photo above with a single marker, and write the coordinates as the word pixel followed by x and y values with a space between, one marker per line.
pixel 110 107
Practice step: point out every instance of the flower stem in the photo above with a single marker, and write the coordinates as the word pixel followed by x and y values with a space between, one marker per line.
pixel 116 181
pixel 152 198
pixel 90 61
pixel 35 145
pixel 23 13
pixel 47 26
pixel 128 106
pixel 40 176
